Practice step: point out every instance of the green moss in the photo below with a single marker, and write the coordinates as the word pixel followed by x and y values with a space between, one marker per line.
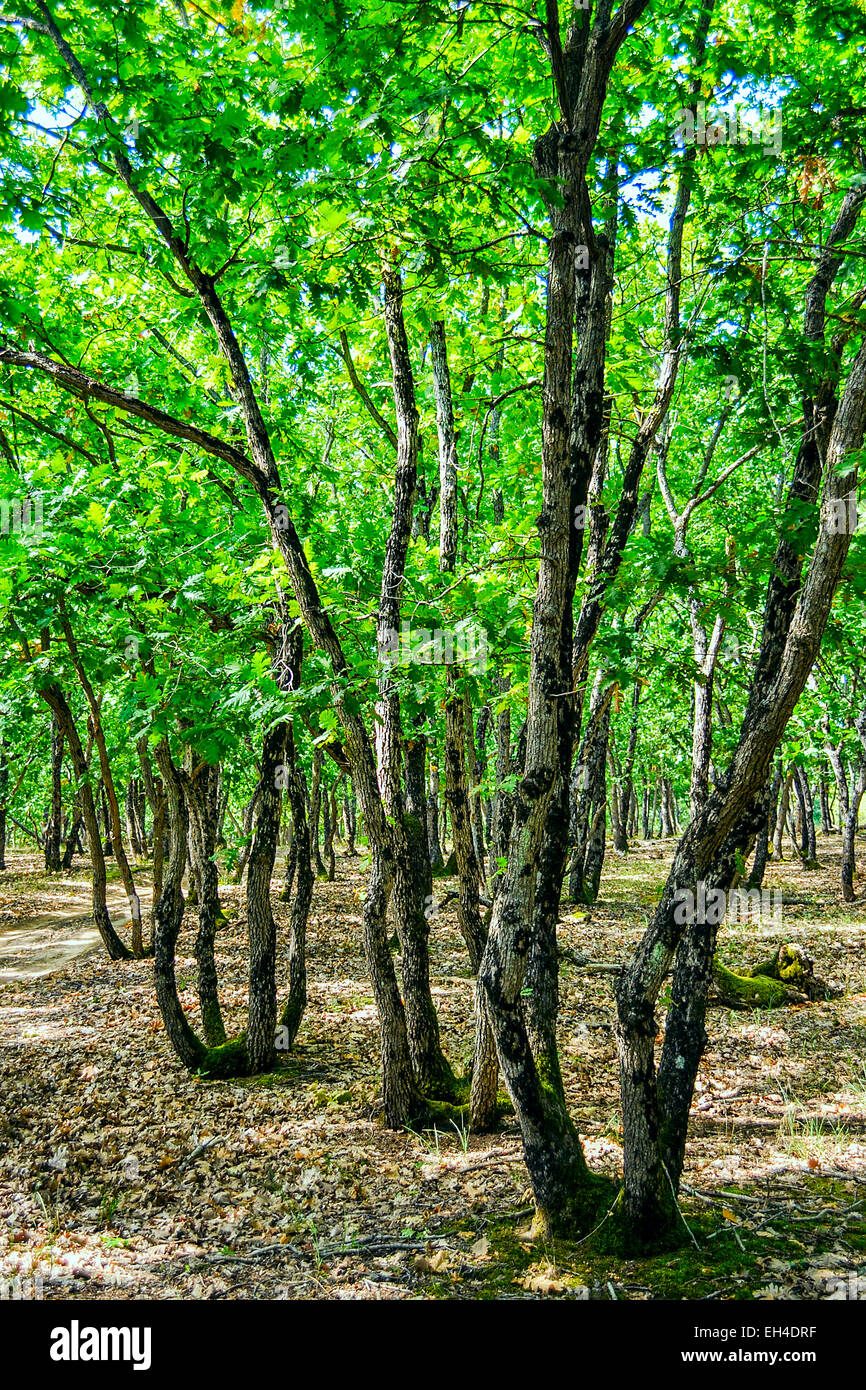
pixel 228 1060
pixel 550 1075
pixel 587 1267
pixel 213 1026
pixel 442 1112
pixel 748 991
pixel 449 868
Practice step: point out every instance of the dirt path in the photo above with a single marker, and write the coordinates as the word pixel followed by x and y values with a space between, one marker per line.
pixel 41 945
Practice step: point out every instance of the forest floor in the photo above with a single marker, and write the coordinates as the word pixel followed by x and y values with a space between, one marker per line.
pixel 122 1176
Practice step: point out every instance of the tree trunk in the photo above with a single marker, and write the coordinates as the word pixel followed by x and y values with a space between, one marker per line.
pixel 473 780
pixel 485 1071
pixel 231 1058
pixel 4 793
pixel 852 815
pixel 316 810
pixel 782 816
pixel 350 817
pixel 296 1003
pixel 500 828
pixel 330 804
pixel 54 697
pixel 824 804
pixel 199 790
pixel 432 1071
pixel 655 1108
pixel 262 1016
pixel 54 828
pixel 849 833
pixel 73 838
pixel 762 847
pixel 665 828
pixel 434 847
pixel 108 786
pixel 807 819
pixel 590 795
pixel 460 753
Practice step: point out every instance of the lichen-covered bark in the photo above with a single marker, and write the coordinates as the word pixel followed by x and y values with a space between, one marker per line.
pixel 560 1181
pixel 708 851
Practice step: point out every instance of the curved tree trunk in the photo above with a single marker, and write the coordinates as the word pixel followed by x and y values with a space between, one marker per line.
pixel 656 1105
pixel 108 785
pixel 56 701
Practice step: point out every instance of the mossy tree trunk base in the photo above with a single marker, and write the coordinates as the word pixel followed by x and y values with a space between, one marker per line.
pixel 788 977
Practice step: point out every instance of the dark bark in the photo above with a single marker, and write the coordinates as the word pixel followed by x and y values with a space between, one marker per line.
pixel 564 1193
pixel 655 1114
pixel 260 469
pixel 230 1059
pixel 502 798
pixel 852 814
pixel 762 846
pixel 330 805
pixel 474 775
pixel 807 819
pixel 54 828
pixel 587 466
pixel 73 844
pixel 316 812
pixel 431 1068
pixel 4 793
pixel 434 847
pixel 107 783
pixel 460 753
pixel 156 799
pixel 350 818
pixel 199 790
pixel 629 825
pixel 485 1072
pixel 54 697
pixel 296 1002
pixel 782 816
pixel 262 1015
pixel 589 792
pixel 824 805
